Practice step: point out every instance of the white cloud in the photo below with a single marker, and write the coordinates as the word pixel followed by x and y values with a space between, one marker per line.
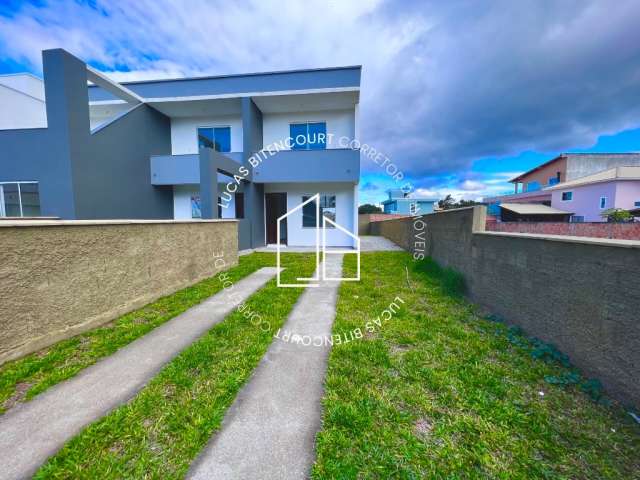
pixel 425 192
pixel 443 83
pixel 472 185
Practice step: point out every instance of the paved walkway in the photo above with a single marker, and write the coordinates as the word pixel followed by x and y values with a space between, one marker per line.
pixel 269 431
pixel 368 243
pixel 371 243
pixel 33 431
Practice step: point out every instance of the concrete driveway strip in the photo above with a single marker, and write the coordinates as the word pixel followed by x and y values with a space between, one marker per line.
pixel 269 431
pixel 33 431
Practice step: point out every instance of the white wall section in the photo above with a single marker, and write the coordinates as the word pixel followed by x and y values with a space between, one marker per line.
pixel 340 123
pixel 22 102
pixel 299 236
pixel 184 132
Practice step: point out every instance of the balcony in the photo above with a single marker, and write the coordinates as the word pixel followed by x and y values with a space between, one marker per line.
pixel 331 165
pixel 180 169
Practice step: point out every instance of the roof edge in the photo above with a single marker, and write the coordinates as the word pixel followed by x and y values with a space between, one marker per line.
pixel 235 75
pixel 565 155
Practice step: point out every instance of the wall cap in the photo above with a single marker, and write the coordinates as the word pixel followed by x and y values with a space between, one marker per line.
pixel 608 242
pixel 89 223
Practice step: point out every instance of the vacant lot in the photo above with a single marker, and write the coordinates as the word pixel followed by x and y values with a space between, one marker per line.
pixel 437 391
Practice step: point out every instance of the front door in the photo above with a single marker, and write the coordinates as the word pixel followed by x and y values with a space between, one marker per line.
pixel 275 207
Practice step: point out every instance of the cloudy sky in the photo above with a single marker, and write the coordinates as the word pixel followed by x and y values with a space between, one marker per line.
pixel 461 95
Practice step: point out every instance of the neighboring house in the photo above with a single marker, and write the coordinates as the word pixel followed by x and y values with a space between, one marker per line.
pixel 22 101
pixel 403 203
pixel 532 186
pixel 170 149
pixel 532 212
pixel 588 197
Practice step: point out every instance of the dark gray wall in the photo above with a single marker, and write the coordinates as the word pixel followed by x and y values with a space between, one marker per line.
pixel 581 295
pixel 83 175
pixel 112 178
pixel 330 165
pixel 254 192
pixel 209 186
pixel 44 155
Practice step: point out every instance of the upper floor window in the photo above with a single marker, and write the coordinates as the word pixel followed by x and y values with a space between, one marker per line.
pixel 636 204
pixel 19 199
pixel 308 136
pixel 567 196
pixel 603 202
pixel 554 180
pixel 217 138
pixel 413 208
pixel 533 186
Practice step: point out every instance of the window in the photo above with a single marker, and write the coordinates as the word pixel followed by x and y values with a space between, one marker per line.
pixel 636 204
pixel 239 205
pixel 308 136
pixel 577 218
pixel 554 180
pixel 217 138
pixel 19 199
pixel 603 203
pixel 413 207
pixel 196 211
pixel 533 186
pixel 567 196
pixel 327 209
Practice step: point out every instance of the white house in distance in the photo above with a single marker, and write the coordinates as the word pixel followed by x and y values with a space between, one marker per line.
pixel 22 101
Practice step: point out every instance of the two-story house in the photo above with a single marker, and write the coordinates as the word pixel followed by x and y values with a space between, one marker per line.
pixel 250 147
pixel 534 186
pixel 405 203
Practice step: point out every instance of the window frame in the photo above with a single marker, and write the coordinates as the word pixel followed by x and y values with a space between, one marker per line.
pixel 535 184
pixel 308 196
pixel 307 123
pixel 213 128
pixel 572 217
pixel 413 208
pixel 3 209
pixel 570 199
pixel 603 207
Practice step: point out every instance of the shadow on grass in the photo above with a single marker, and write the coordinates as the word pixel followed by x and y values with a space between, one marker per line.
pixel 451 281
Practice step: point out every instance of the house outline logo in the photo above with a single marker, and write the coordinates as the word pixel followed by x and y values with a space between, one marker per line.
pixel 321 249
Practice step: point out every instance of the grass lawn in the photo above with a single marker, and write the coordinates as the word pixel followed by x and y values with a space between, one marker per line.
pixel 24 378
pixel 160 432
pixel 437 391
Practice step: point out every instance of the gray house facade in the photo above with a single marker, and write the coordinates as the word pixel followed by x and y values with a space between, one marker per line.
pixel 250 147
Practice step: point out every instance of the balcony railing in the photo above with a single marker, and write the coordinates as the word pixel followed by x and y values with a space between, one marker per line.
pixel 180 169
pixel 330 165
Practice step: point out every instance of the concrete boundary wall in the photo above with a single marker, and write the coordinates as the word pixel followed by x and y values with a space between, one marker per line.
pixel 623 231
pixel 61 278
pixel 581 294
pixel 365 219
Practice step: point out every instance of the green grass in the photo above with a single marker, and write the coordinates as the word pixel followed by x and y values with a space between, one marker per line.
pixel 23 379
pixel 160 432
pixel 440 392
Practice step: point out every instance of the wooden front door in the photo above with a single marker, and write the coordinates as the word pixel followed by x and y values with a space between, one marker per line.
pixel 275 206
